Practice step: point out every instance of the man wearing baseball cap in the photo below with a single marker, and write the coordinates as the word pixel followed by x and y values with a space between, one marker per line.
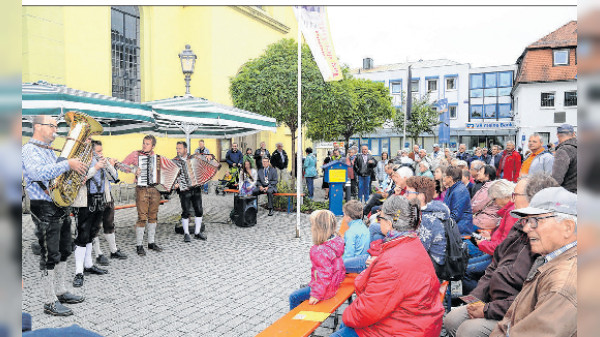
pixel 564 169
pixel 547 303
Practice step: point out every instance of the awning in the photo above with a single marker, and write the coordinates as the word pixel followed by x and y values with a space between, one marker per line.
pixel 200 118
pixel 117 116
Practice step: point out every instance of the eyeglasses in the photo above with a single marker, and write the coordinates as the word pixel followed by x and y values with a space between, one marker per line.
pixel 534 221
pixel 514 195
pixel 50 125
pixel 381 217
pixel 411 192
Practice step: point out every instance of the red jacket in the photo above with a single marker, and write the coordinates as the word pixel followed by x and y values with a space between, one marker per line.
pixel 510 164
pixel 500 232
pixel 398 295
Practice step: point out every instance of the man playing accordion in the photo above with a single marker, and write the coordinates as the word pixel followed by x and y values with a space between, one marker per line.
pixel 189 196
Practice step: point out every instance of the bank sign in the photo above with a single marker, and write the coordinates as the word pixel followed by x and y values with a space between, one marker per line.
pixel 491 125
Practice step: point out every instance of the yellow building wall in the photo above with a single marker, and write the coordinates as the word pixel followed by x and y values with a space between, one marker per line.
pixel 72 46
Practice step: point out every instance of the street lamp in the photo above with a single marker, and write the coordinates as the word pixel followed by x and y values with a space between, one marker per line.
pixel 188 61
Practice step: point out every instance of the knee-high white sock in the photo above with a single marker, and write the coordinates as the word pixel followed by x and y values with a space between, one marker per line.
pixel 48 284
pixel 96 245
pixel 88 262
pixel 186 225
pixel 112 242
pixel 139 235
pixel 79 258
pixel 151 232
pixel 60 276
pixel 198 221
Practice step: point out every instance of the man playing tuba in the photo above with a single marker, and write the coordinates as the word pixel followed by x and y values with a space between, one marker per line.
pixel 53 225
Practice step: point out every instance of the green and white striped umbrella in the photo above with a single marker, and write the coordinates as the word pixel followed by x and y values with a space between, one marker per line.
pixel 200 118
pixel 117 116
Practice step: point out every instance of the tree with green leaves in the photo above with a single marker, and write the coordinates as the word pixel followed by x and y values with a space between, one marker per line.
pixel 423 119
pixel 268 85
pixel 349 107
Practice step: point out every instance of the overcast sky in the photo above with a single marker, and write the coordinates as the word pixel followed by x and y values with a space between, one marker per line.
pixel 480 36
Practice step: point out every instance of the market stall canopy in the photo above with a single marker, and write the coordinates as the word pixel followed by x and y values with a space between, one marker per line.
pixel 117 116
pixel 200 118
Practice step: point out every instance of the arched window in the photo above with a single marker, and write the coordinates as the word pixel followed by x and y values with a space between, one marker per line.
pixel 125 43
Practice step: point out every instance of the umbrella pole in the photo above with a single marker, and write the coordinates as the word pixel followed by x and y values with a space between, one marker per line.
pixel 299 142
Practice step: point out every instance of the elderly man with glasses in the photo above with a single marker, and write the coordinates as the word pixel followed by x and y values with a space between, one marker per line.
pixel 547 304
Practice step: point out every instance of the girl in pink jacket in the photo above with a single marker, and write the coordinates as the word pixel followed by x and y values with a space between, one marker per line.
pixel 327 272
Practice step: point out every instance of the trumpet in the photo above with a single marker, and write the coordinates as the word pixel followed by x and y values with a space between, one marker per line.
pixel 107 172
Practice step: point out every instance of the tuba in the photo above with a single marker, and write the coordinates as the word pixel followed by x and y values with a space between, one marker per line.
pixel 64 188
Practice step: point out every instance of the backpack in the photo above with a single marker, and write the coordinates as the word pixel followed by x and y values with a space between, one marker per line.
pixel 457 254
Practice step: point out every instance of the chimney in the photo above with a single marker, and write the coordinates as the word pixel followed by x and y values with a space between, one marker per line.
pixel 367 63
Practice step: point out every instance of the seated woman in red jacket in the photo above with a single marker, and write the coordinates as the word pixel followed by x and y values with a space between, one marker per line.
pixel 398 294
pixel 500 192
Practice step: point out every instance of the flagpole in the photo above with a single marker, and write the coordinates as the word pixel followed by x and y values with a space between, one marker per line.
pixel 299 142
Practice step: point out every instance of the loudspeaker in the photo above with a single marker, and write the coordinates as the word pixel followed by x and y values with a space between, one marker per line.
pixel 244 211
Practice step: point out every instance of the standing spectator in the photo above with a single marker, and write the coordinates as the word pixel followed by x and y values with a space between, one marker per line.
pixel 496 156
pixel 458 201
pixel 434 213
pixel 477 154
pixel 398 294
pixel 260 153
pixel 203 150
pixel 279 160
pixel 448 155
pixel 437 153
pixel 485 156
pixel 249 157
pixel 414 154
pixel 539 160
pixel 462 153
pixel 547 304
pixel 380 169
pixel 327 160
pixel 336 146
pixel 510 164
pixel 364 166
pixel 310 171
pixel 350 160
pixel 234 156
pixel 564 170
pixel 421 157
pixel 396 159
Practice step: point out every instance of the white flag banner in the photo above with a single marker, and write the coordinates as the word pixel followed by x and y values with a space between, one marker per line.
pixel 314 25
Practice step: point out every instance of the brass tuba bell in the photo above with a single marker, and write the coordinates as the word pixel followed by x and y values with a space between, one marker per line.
pixel 64 188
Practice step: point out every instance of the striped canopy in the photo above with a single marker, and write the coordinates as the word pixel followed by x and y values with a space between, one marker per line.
pixel 199 118
pixel 117 116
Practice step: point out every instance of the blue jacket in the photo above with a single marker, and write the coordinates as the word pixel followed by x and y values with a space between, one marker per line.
pixel 464 156
pixel 357 239
pixel 234 157
pixel 458 200
pixel 432 232
pixel 310 166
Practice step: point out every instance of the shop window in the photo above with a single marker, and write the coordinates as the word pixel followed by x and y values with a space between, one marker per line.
pixel 547 99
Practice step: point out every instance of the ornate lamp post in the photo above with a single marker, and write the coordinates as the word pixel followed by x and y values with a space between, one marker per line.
pixel 188 61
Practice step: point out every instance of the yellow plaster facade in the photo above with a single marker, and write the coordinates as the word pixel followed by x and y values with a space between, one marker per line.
pixel 72 46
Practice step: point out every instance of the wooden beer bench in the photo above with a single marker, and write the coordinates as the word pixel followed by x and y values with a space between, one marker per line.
pixel 289 196
pixel 288 326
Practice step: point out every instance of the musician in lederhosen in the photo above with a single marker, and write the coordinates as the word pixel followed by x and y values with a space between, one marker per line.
pixel 88 208
pixel 53 224
pixel 203 150
pixel 101 184
pixel 147 198
pixel 189 196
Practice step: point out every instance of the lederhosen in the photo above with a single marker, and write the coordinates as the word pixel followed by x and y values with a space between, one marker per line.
pixel 89 218
pixel 189 196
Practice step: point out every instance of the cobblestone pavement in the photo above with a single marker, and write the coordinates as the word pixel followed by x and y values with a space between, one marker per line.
pixel 235 284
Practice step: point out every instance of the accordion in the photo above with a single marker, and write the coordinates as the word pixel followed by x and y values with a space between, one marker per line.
pixel 157 171
pixel 200 168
